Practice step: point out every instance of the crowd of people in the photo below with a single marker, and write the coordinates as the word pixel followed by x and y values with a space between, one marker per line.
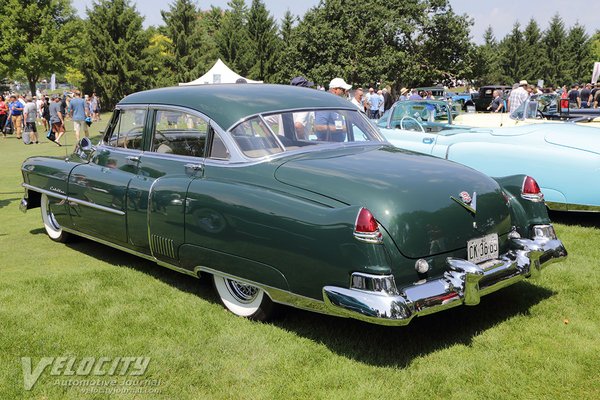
pixel 20 115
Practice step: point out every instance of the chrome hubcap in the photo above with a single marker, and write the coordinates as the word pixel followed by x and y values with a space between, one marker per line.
pixel 242 292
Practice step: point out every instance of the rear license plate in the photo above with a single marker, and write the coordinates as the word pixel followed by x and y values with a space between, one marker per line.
pixel 482 249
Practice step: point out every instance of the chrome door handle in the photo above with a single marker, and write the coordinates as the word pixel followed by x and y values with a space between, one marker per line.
pixel 194 167
pixel 133 158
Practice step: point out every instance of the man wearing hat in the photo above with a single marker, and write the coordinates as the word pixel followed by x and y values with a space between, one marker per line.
pixel 404 94
pixel 339 87
pixel 330 125
pixel 302 82
pixel 518 96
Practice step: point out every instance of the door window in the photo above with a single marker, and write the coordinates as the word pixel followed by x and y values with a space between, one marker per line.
pixel 128 130
pixel 178 132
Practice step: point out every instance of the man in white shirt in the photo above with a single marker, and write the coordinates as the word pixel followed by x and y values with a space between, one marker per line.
pixel 357 99
pixel 517 96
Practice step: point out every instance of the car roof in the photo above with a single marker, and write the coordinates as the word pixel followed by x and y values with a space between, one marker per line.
pixel 226 104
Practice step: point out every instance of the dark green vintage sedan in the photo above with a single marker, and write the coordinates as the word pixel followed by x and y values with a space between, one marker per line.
pixel 289 195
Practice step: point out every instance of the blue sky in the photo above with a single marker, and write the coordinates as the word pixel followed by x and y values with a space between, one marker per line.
pixel 500 15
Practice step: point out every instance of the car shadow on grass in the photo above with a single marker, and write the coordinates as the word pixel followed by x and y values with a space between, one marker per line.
pixel 366 343
pixel 109 255
pixel 6 202
pixel 399 346
pixel 586 219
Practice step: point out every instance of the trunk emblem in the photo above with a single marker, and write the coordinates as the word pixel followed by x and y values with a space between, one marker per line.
pixel 467 201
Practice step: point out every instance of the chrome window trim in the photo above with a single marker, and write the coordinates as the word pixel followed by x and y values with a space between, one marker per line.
pixel 108 127
pixel 74 200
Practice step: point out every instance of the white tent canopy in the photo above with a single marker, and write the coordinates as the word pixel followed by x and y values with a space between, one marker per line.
pixel 219 73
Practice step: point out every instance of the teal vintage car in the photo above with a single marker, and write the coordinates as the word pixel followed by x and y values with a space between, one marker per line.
pixel 287 195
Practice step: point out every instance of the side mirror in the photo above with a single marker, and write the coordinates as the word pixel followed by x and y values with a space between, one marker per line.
pixel 85 145
pixel 85 148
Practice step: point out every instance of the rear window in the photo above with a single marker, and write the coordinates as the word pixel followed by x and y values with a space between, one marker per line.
pixel 275 133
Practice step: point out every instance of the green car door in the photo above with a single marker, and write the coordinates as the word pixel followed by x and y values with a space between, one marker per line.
pixel 99 187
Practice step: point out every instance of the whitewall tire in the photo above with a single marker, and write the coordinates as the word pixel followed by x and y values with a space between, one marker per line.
pixel 243 299
pixel 53 228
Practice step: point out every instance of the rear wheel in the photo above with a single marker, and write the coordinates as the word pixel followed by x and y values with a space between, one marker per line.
pixel 243 299
pixel 53 228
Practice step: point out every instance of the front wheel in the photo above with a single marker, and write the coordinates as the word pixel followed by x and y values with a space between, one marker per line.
pixel 53 228
pixel 243 299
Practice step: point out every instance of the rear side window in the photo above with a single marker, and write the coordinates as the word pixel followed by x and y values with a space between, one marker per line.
pixel 178 132
pixel 127 131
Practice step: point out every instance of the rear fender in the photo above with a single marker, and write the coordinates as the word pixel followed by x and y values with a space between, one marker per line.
pixel 524 213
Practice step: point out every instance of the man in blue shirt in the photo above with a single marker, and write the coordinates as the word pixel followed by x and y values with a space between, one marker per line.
pixel 375 100
pixel 79 111
pixel 15 109
pixel 330 126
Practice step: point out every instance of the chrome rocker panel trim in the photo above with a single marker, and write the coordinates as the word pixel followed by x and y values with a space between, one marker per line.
pixel 572 207
pixel 73 200
pixel 463 283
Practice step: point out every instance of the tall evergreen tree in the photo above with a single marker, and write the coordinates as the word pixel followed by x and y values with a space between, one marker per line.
pixel 39 37
pixel 264 42
pixel 285 67
pixel 535 55
pixel 555 47
pixel 512 54
pixel 116 64
pixel 486 62
pixel 580 62
pixel 232 37
pixel 182 28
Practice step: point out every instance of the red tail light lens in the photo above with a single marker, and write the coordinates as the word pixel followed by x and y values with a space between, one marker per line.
pixel 531 190
pixel 366 228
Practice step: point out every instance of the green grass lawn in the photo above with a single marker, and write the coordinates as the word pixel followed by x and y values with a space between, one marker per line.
pixel 534 340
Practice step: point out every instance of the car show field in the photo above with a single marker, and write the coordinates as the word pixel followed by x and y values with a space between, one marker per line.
pixel 535 339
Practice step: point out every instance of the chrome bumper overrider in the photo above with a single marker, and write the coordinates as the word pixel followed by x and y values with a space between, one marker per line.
pixel 462 283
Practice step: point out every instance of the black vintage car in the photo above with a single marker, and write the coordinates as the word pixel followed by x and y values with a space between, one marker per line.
pixel 485 95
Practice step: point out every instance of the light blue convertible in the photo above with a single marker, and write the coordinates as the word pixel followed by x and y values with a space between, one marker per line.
pixel 563 157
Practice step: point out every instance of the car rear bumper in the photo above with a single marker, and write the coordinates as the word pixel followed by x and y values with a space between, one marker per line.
pixel 462 283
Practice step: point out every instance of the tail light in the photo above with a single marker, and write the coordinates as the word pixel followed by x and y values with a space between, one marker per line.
pixel 366 228
pixel 531 190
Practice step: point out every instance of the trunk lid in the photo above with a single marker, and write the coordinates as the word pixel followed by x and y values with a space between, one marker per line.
pixel 408 193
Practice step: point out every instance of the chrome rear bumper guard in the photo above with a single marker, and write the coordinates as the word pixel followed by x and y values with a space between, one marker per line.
pixel 462 283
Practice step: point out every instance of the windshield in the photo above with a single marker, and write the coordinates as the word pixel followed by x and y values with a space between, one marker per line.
pixel 406 112
pixel 529 109
pixel 280 132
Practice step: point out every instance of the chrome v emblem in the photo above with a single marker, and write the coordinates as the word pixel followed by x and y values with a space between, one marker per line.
pixel 467 201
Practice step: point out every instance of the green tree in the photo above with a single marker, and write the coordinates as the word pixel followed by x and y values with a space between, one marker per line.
pixel 595 43
pixel 556 52
pixel 580 63
pixel 183 29
pixel 160 57
pixel 117 63
pixel 534 59
pixel 447 47
pixel 486 61
pixel 512 54
pixel 232 37
pixel 38 37
pixel 264 42
pixel 285 67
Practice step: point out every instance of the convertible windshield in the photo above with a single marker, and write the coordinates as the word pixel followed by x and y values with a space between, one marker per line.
pixel 279 132
pixel 408 113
